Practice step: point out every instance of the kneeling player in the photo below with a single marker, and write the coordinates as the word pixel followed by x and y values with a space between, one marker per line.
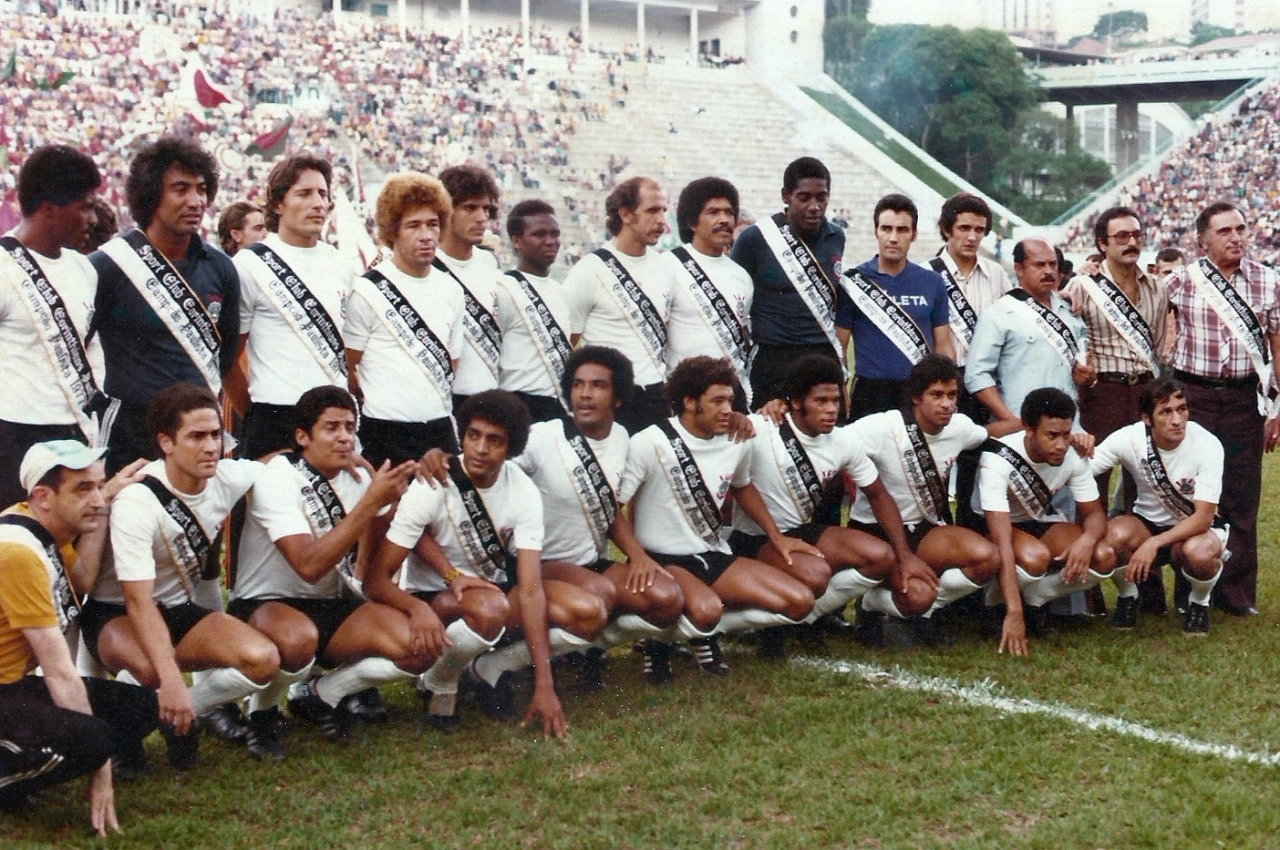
pixel 913 451
pixel 678 475
pixel 489 513
pixel 1177 465
pixel 1043 556
pixel 306 514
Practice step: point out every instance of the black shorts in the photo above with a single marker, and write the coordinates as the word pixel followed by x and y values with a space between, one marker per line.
pixel 327 614
pixel 915 533
pixel 600 566
pixel 707 567
pixel 384 439
pixel 749 545
pixel 543 408
pixel 267 428
pixel 179 619
pixel 1035 527
pixel 1165 554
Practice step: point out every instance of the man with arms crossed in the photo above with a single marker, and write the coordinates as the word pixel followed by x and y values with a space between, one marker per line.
pixel 142 617
pixel 474 561
pixel 1177 466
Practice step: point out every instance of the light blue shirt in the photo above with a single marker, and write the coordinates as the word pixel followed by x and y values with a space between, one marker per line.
pixel 1011 353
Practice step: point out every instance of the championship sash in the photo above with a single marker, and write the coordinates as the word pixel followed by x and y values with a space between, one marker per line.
pixel 485 549
pixel 962 317
pixel 191 550
pixel 1025 483
pixel 887 315
pixel 59 337
pixel 698 503
pixel 482 326
pixel 304 313
pixel 927 484
pixel 805 274
pixel 324 511
pixel 1124 316
pixel 1157 478
pixel 802 481
pixel 599 502
pixel 64 596
pixel 550 340
pixel 414 335
pixel 637 306
pixel 1050 325
pixel 173 300
pixel 717 313
pixel 1236 314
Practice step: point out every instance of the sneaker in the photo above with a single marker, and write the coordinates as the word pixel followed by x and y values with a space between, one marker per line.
pixel 835 622
pixel 305 704
pixel 1036 618
pixel 657 661
pixel 498 702
pixel 263 739
pixel 927 631
pixel 368 707
pixel 335 723
pixel 707 652
pixel 868 628
pixel 771 644
pixel 183 750
pixel 1126 616
pixel 225 722
pixel 441 711
pixel 1196 622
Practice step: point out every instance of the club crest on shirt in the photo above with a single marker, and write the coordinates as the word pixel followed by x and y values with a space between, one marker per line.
pixel 1186 486
pixel 723 487
pixel 837 267
pixel 215 310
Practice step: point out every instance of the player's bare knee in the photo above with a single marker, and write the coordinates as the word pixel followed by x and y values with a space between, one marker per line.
pixel 665 603
pixel 1034 560
pixel 1104 558
pixel 704 612
pixel 984 563
pixel 798 602
pixel 259 660
pixel 486 614
pixel 1201 557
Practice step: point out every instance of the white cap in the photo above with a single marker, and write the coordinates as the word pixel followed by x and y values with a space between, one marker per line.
pixel 42 458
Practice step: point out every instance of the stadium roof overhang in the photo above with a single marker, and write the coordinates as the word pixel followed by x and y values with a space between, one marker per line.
pixel 720 6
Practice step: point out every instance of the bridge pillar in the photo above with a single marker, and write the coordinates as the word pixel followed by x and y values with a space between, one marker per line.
pixel 1126 134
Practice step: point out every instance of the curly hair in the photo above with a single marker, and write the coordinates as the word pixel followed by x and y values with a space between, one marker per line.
pixel 693 376
pixel 619 366
pixel 144 187
pixel 468 181
pixel 501 408
pixel 403 193
pixel 694 197
pixel 962 202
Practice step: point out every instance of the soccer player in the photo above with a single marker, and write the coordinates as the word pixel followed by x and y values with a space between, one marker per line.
pixel 1177 466
pixel 58 726
pixel 474 561
pixel 141 617
pixel 241 225
pixel 678 476
pixel 294 291
pixel 1043 556
pixel 913 451
pixel 46 367
pixel 621 294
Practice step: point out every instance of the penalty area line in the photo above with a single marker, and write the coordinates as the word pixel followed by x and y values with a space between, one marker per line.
pixel 987 694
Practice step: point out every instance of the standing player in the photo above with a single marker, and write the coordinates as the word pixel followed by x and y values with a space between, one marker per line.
pixel 485 574
pixel 710 313
pixel 621 295
pixel 474 195
pixel 142 617
pixel 533 309
pixel 1043 556
pixel 241 224
pixel 1177 466
pixel 46 294
pixel 307 512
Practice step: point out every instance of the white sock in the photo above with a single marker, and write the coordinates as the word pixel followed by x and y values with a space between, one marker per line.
pixel 269 697
pixel 1201 588
pixel 995 596
pixel 1125 589
pixel 443 676
pixel 624 629
pixel 1051 586
pixel 881 601
pixel 952 585
pixel 128 678
pixel 686 630
pixel 742 619
pixel 492 665
pixel 844 586
pixel 347 679
pixel 222 684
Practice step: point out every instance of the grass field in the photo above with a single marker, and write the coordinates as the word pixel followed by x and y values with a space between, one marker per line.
pixel 843 748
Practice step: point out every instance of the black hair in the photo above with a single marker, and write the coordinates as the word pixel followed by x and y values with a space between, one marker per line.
pixel 1100 236
pixel 1157 391
pixel 144 186
pixel 526 209
pixel 501 408
pixel 468 181
pixel 167 407
pixel 694 375
pixel 809 371
pixel 1202 220
pixel 931 369
pixel 962 202
pixel 58 174
pixel 695 196
pixel 1047 403
pixel 314 402
pixel 802 169
pixel 898 203
pixel 1170 255
pixel 619 366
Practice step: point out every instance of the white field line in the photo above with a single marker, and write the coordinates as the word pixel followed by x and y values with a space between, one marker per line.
pixel 986 694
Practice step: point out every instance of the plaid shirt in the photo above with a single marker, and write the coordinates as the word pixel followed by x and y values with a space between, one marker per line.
pixel 982 288
pixel 1109 351
pixel 1203 345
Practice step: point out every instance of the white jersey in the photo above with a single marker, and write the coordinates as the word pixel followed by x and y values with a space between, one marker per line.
pixel 548 460
pixel 830 454
pixel 282 365
pixel 884 438
pixel 394 384
pixel 523 368
pixel 689 332
pixel 480 276
pixel 1194 468
pixel 599 315
pixel 277 509
pixel 144 538
pixel 32 388
pixel 652 475
pixel 513 504
pixel 992 492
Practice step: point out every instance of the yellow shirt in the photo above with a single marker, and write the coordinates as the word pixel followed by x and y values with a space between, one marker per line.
pixel 26 602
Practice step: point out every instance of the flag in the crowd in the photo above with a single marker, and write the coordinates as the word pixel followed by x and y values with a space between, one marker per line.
pixel 55 81
pixel 196 88
pixel 272 143
pixel 196 123
pixel 208 95
pixel 11 67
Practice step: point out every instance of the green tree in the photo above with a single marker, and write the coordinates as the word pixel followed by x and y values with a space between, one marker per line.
pixel 841 38
pixel 1045 171
pixel 1202 31
pixel 1120 25
pixel 848 9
